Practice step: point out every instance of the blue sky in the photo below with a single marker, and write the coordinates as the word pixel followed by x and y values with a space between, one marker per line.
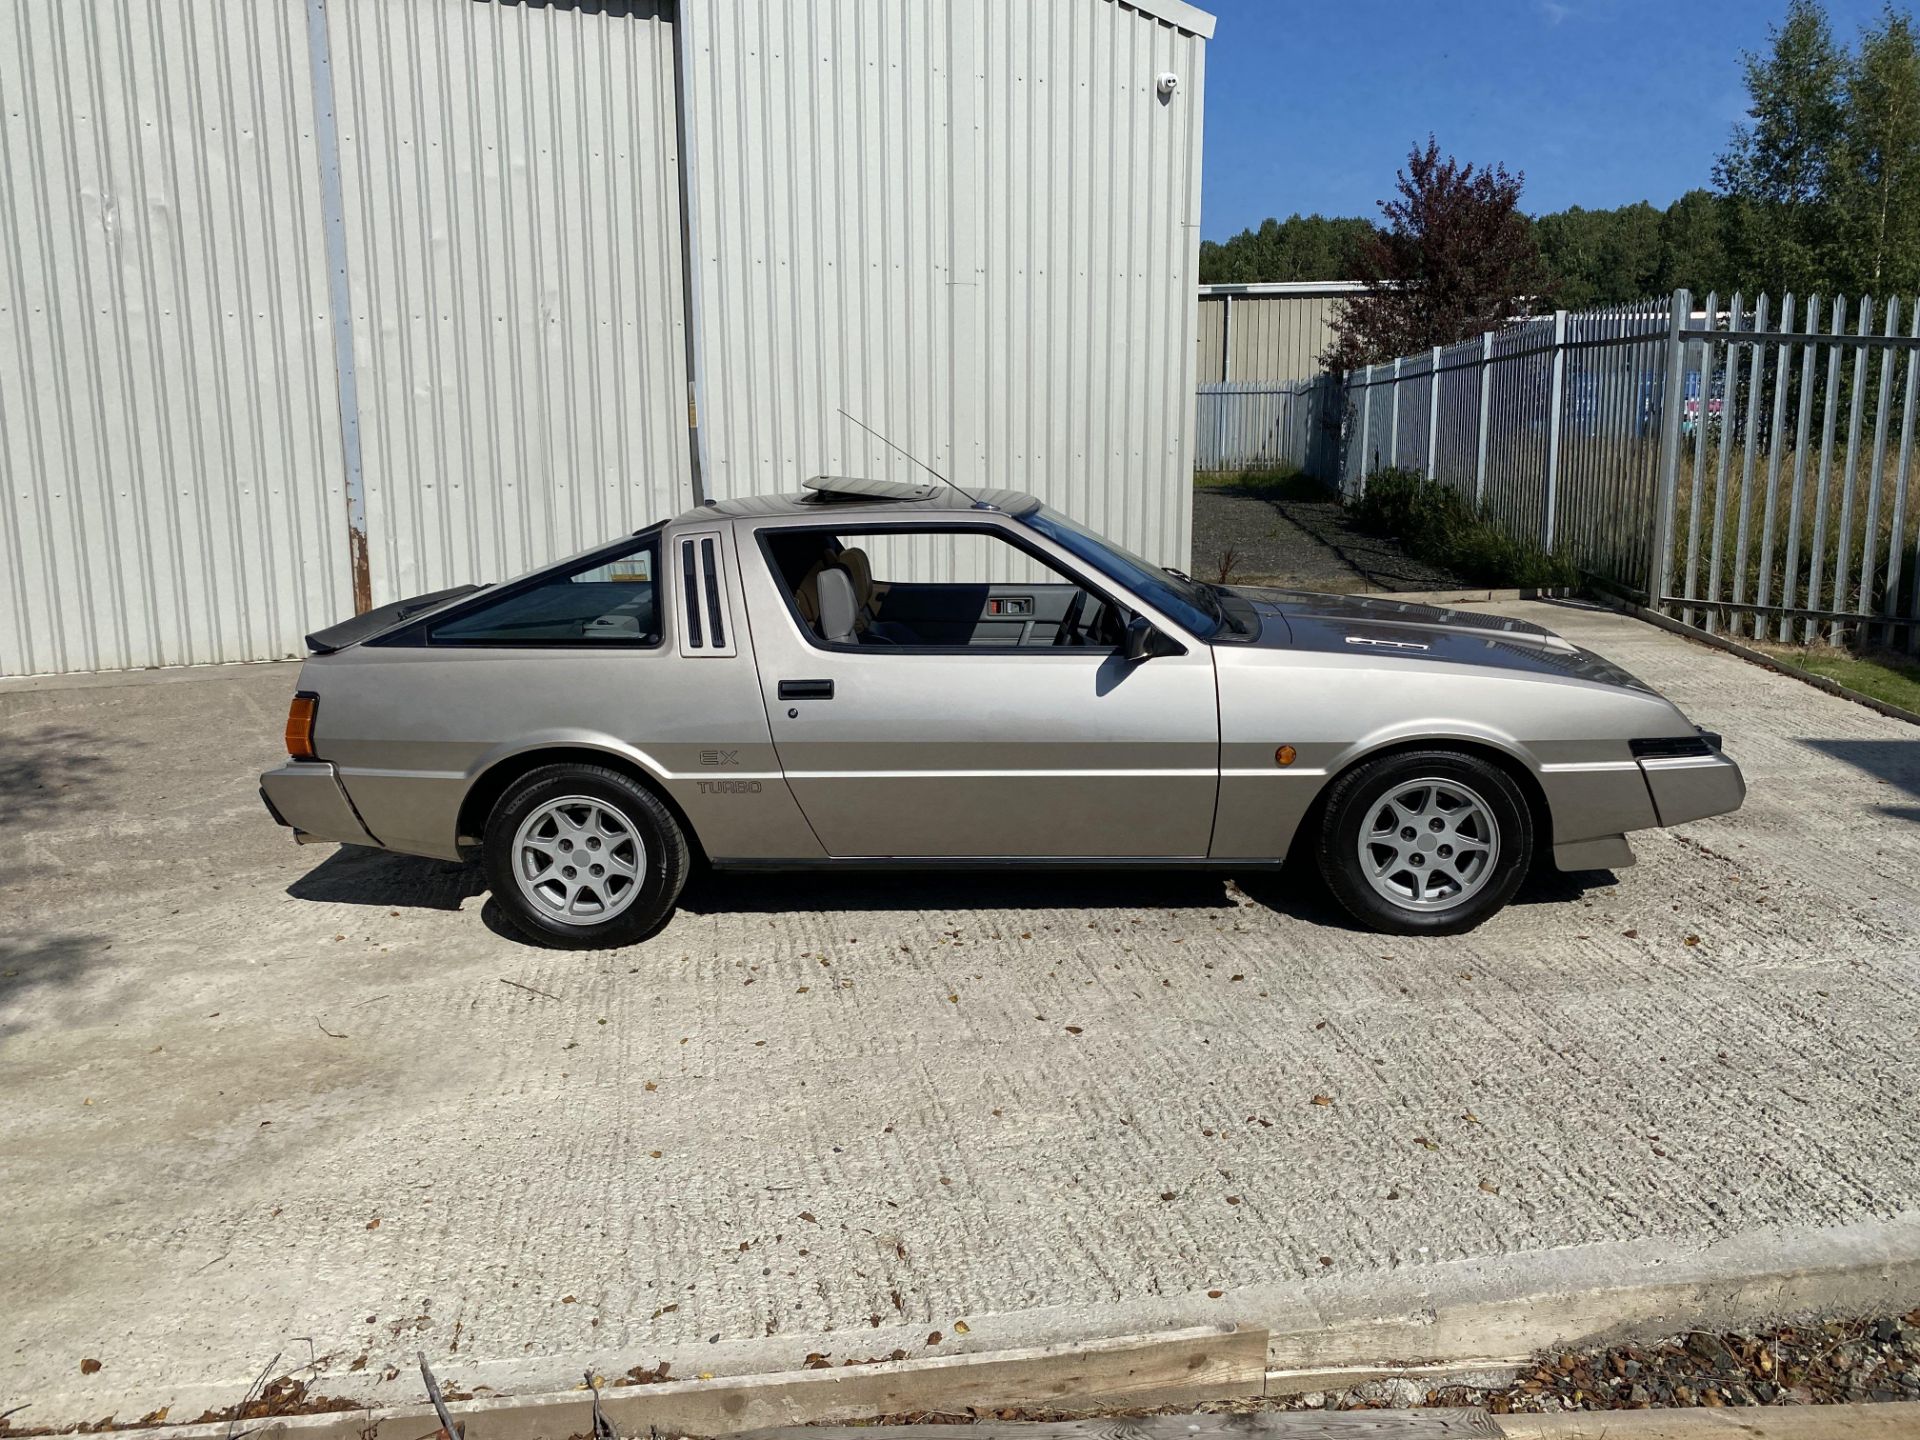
pixel 1311 106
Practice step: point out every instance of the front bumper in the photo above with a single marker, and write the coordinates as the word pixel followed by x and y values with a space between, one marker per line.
pixel 1693 787
pixel 306 796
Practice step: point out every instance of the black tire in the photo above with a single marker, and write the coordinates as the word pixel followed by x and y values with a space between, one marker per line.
pixel 1357 798
pixel 662 871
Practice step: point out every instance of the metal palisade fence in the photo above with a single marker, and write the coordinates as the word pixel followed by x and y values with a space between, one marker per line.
pixel 1744 467
pixel 1266 425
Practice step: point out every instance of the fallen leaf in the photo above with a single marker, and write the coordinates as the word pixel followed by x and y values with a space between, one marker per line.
pixel 651 1086
pixel 1323 1099
pixel 1215 1294
pixel 374 1224
pixel 568 1300
pixel 960 1327
pixel 654 1153
pixel 1424 1143
pixel 934 1338
pixel 1489 1187
pixel 1233 1199
pixel 1166 1194
pixel 1326 1262
pixel 89 1366
pixel 807 1215
pixel 1693 940
pixel 1073 1029
pixel 1631 934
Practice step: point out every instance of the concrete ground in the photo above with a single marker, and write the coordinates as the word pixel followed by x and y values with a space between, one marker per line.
pixel 258 1100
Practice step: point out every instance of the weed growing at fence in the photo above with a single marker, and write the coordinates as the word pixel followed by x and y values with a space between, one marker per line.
pixel 1436 525
pixel 1879 673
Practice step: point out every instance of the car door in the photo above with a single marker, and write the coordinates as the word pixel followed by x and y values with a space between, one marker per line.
pixel 903 750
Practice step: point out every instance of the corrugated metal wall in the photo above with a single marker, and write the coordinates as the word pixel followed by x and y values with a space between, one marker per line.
pixel 172 485
pixel 1274 337
pixel 968 222
pixel 971 224
pixel 511 186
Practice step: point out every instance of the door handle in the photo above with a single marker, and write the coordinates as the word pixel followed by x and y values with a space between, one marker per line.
pixel 806 689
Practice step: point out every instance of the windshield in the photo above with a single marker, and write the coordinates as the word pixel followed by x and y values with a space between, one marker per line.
pixel 1187 601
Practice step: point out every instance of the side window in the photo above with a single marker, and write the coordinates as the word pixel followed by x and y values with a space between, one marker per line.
pixel 933 589
pixel 610 599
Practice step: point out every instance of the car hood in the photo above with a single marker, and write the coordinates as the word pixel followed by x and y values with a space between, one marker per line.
pixel 1385 627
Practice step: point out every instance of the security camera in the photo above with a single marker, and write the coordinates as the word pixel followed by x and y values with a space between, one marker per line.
pixel 1169 82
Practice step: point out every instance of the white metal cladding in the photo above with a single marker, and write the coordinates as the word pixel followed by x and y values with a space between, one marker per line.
pixel 969 223
pixel 168 431
pixel 513 232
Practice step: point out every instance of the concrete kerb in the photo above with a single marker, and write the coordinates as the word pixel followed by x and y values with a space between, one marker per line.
pixel 1424 1321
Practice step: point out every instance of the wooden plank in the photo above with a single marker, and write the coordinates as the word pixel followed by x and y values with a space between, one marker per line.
pixel 1436 1424
pixel 1175 1367
pixel 1893 1420
pixel 1180 1367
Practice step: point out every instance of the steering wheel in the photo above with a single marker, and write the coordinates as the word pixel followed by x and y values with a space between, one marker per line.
pixel 1069 631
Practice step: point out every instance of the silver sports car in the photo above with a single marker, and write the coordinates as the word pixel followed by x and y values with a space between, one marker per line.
pixel 879 674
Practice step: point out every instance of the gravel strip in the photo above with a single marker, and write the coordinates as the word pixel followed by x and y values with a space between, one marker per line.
pixel 1307 544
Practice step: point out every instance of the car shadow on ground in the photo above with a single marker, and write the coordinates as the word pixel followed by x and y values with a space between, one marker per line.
pixel 355 875
pixel 360 875
pixel 760 892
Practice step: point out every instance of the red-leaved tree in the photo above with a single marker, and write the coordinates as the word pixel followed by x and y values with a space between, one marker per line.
pixel 1456 258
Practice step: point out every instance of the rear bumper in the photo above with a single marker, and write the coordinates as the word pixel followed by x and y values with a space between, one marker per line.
pixel 1693 787
pixel 305 796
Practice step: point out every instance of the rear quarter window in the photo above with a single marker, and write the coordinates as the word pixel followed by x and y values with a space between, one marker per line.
pixel 611 599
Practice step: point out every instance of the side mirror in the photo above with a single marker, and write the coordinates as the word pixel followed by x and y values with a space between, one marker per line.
pixel 1142 641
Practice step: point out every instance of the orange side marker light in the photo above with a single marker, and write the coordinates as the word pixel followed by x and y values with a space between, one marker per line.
pixel 300 725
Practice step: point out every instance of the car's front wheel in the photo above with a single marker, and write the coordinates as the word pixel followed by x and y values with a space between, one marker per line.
pixel 581 857
pixel 1426 842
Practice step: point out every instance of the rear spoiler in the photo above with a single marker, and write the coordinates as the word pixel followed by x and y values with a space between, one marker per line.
pixel 365 627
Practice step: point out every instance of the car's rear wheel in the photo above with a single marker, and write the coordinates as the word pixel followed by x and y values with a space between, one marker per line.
pixel 582 857
pixel 1427 842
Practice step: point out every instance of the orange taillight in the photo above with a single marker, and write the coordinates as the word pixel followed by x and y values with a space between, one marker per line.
pixel 300 725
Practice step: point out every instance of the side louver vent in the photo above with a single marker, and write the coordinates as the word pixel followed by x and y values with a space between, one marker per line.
pixel 706 624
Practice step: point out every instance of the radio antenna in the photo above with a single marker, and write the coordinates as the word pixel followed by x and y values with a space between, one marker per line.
pixel 977 503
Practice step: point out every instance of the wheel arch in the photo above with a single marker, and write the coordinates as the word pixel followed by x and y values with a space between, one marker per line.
pixel 1508 762
pixel 492 782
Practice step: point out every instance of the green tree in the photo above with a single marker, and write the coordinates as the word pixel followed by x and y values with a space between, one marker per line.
pixel 1779 164
pixel 1874 175
pixel 1694 243
pixel 1601 257
pixel 1301 247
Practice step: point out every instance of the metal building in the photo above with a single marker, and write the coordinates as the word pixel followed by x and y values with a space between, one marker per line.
pixel 1262 332
pixel 310 304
